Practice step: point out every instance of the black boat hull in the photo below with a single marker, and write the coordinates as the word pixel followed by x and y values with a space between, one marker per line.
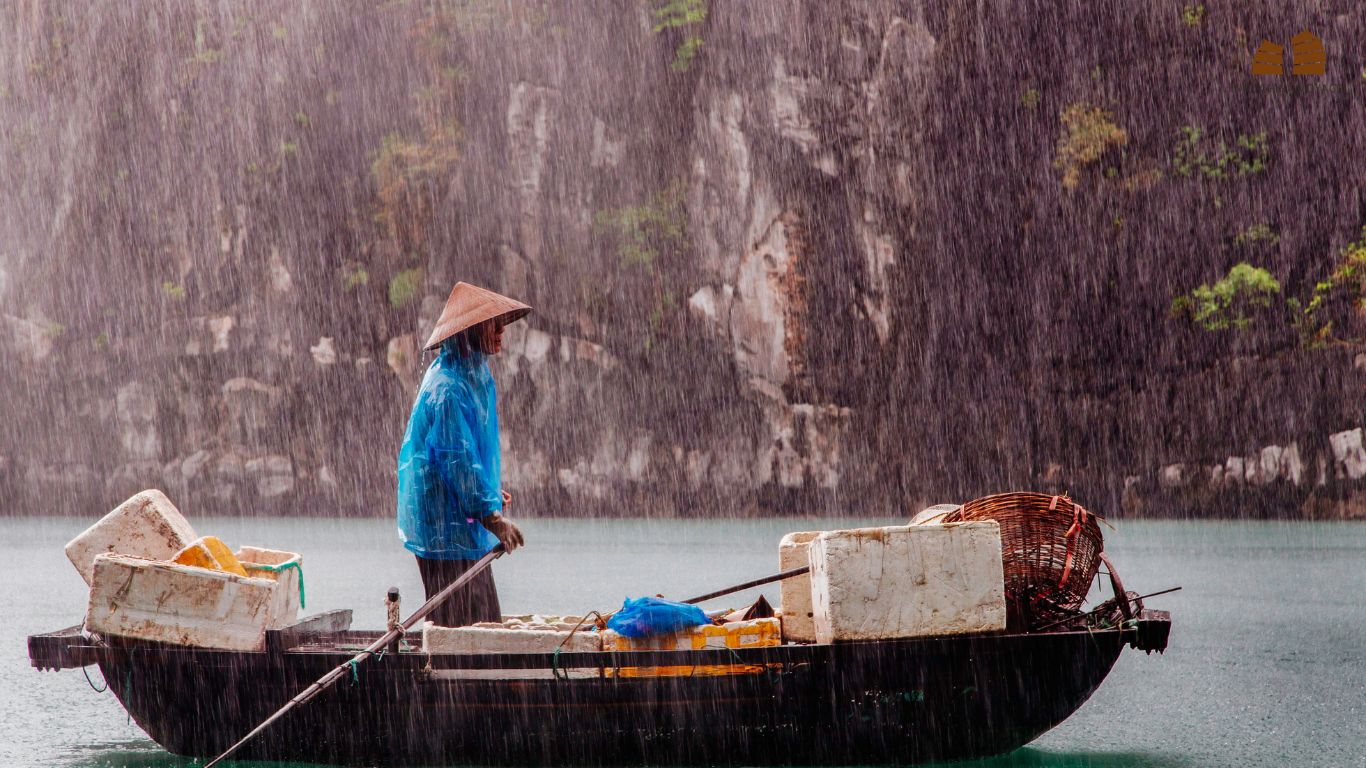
pixel 903 701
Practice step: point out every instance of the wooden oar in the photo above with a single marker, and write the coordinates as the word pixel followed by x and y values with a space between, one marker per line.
pixel 748 584
pixel 388 637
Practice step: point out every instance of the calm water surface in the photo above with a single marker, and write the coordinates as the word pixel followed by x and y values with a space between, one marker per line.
pixel 1267 664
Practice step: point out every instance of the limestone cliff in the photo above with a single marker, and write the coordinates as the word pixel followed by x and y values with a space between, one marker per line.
pixel 821 257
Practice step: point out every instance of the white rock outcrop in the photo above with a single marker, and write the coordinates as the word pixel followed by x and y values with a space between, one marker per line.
pixel 324 352
pixel 1172 476
pixel 273 475
pixel 24 338
pixel 207 335
pixel 764 307
pixel 1349 455
pixel 135 407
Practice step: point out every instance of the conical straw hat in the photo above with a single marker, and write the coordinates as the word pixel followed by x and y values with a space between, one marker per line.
pixel 470 305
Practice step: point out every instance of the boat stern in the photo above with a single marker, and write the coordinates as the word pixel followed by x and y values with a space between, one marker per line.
pixel 63 649
pixel 1150 631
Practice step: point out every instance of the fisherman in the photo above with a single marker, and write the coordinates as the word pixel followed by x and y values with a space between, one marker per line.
pixel 450 492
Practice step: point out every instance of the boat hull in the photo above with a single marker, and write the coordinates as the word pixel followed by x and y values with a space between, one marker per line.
pixel 903 701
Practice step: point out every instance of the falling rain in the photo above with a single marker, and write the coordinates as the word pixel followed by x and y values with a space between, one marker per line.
pixel 693 382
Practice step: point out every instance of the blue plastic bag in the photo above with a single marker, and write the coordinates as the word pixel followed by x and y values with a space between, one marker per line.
pixel 645 616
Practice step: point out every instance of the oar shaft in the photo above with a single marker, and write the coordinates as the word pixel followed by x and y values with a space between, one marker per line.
pixel 388 637
pixel 1088 613
pixel 440 597
pixel 756 583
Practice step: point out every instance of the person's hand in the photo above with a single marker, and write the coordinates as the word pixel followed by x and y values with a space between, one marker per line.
pixel 507 532
pixel 507 499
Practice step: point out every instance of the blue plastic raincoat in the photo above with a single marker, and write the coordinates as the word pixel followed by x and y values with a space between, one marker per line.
pixel 449 468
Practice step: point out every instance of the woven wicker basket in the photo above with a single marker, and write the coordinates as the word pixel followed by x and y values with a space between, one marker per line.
pixel 1050 551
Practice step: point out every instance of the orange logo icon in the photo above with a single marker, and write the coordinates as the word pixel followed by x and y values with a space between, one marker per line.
pixel 1269 59
pixel 1307 56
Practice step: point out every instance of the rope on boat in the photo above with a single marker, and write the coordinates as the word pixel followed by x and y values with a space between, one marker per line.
pixel 555 661
pixel 128 689
pixel 295 564
pixel 86 671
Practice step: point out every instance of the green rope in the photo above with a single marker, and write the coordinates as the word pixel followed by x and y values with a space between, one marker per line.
pixel 128 687
pixel 355 676
pixel 295 564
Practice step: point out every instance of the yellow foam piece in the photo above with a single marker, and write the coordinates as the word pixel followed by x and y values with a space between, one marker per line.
pixel 757 633
pixel 210 552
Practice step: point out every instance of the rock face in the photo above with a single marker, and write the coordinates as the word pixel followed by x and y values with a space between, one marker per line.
pixel 824 263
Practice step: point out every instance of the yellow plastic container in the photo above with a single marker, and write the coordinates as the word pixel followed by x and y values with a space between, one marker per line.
pixel 210 552
pixel 757 633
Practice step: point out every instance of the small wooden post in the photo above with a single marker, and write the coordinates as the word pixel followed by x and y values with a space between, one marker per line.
pixel 394 622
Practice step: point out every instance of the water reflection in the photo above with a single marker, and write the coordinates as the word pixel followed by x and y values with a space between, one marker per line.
pixel 1020 758
pixel 1035 758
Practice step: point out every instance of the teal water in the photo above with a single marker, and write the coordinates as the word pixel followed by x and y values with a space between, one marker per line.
pixel 1267 665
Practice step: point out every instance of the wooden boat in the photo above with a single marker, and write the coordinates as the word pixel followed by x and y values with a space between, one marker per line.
pixel 895 701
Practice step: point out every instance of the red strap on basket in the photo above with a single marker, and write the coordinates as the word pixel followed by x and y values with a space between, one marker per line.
pixel 1079 514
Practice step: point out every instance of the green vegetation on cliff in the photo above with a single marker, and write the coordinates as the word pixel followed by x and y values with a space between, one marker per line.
pixel 1194 154
pixel 685 16
pixel 1087 134
pixel 1340 296
pixel 404 287
pixel 643 233
pixel 1231 302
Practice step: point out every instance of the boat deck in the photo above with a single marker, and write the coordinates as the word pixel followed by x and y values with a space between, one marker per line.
pixel 330 635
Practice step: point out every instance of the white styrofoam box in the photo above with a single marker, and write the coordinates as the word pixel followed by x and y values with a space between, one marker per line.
pixel 935 514
pixel 286 570
pixel 501 640
pixel 180 604
pixel 147 525
pixel 535 621
pixel 795 593
pixel 907 581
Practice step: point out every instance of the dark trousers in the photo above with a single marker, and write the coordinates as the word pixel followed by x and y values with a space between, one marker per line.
pixel 476 601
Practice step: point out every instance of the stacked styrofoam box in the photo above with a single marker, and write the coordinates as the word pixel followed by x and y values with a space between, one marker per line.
pixel 185 605
pixel 147 525
pixel 287 601
pixel 934 515
pixel 136 592
pixel 908 581
pixel 795 592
